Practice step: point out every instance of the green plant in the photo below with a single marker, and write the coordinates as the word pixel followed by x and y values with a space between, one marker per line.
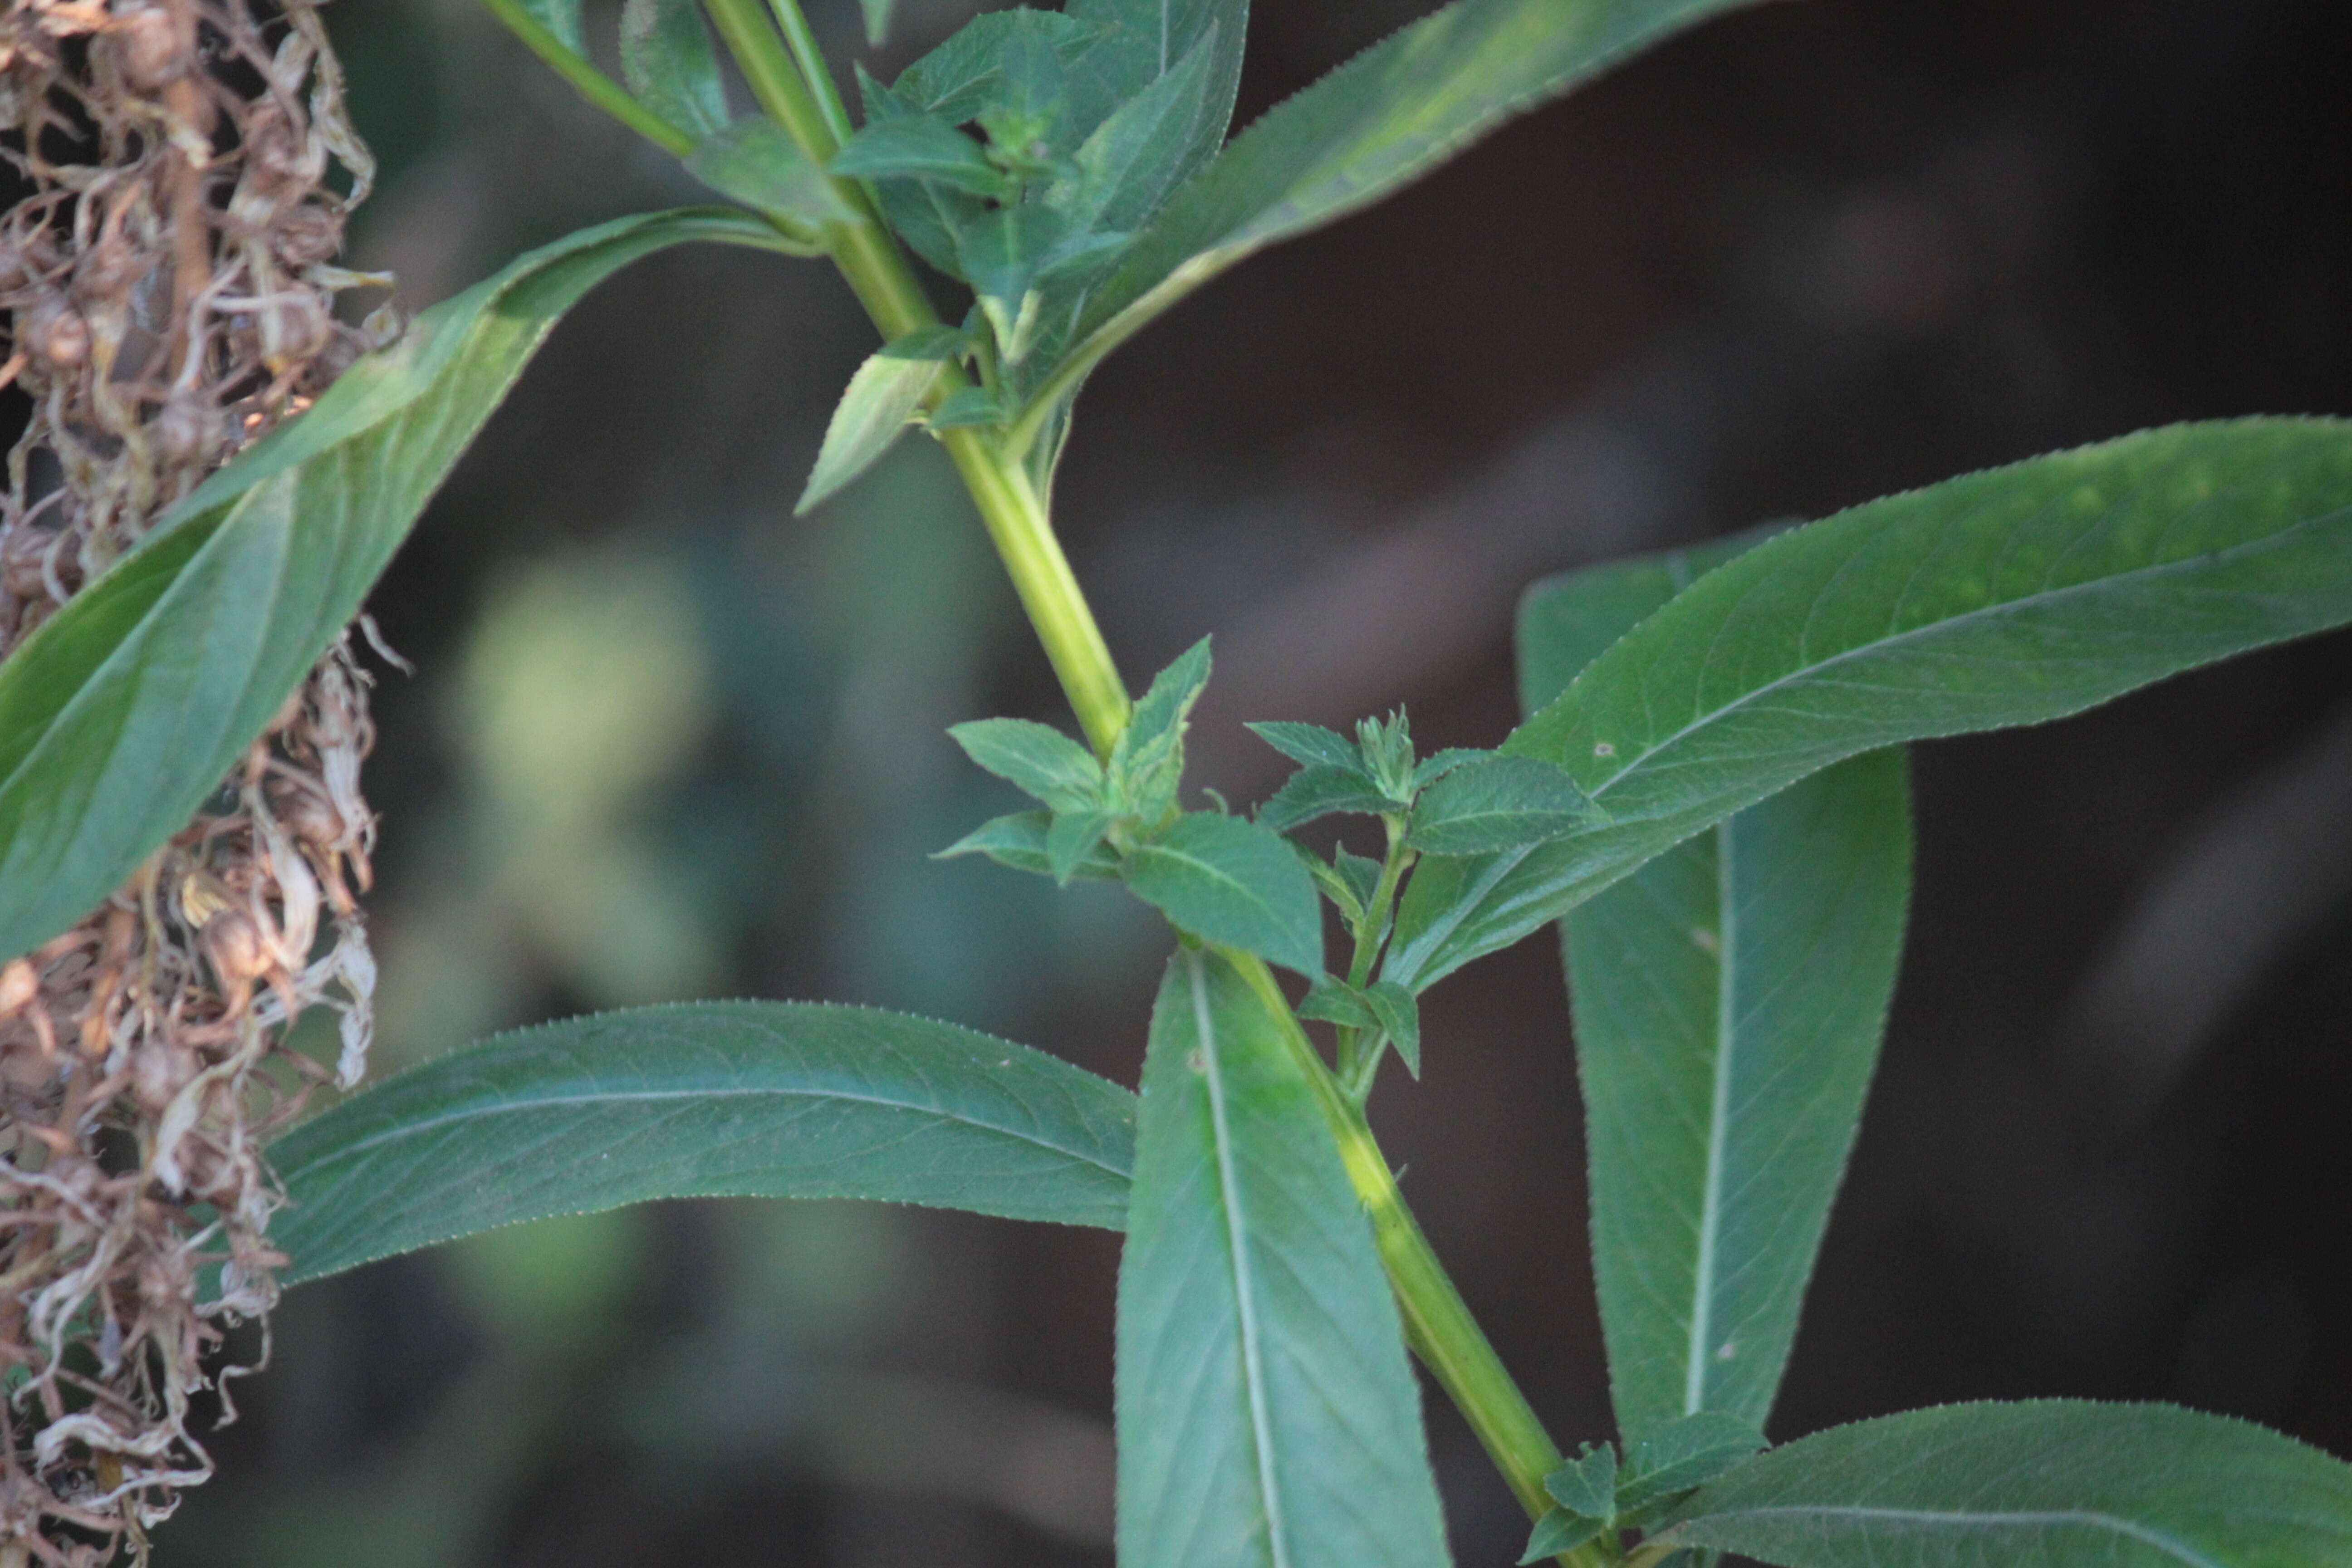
pixel 1709 793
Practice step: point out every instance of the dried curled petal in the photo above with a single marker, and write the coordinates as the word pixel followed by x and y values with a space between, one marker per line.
pixel 169 293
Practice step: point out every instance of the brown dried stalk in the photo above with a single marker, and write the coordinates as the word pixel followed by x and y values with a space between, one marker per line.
pixel 168 273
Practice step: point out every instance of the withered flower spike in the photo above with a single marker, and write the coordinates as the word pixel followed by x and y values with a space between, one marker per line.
pixel 170 294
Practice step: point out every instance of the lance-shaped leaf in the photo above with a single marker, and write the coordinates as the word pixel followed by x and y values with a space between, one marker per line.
pixel 1318 792
pixel 1266 1415
pixel 1036 758
pixel 957 79
pixel 127 708
pixel 704 1100
pixel 1311 745
pixel 1024 841
pixel 2055 1483
pixel 1230 880
pixel 874 411
pixel 921 147
pixel 2006 597
pixel 1729 997
pixel 1130 162
pixel 669 62
pixel 1386 117
pixel 1729 1000
pixel 1139 45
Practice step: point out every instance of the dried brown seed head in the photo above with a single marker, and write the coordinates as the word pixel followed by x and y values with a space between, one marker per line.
pixel 54 330
pixel 148 48
pixel 19 984
pixel 306 237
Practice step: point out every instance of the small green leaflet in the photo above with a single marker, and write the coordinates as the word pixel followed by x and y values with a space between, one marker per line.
pixel 1556 1531
pixel 127 709
pixel 2055 1483
pixel 1139 44
pixel 669 63
pixel 1036 758
pixel 921 147
pixel 1071 842
pixel 874 410
pixel 2007 597
pixel 1386 117
pixel 877 14
pixel 753 162
pixel 1132 160
pixel 955 81
pixel 1587 1485
pixel 1337 885
pixel 1383 1006
pixel 1268 1417
pixel 923 213
pixel 1310 745
pixel 1228 880
pixel 1730 999
pixel 704 1100
pixel 1148 759
pixel 1488 803
pixel 1318 792
pixel 1024 841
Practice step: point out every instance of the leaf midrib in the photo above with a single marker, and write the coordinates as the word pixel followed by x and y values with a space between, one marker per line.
pixel 411 1129
pixel 1237 1247
pixel 2021 1518
pixel 1702 1327
pixel 1639 766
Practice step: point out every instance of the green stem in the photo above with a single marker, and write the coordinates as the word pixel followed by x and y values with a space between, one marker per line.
pixel 1356 1066
pixel 1375 928
pixel 1048 588
pixel 591 83
pixel 877 272
pixel 1437 1322
pixel 814 70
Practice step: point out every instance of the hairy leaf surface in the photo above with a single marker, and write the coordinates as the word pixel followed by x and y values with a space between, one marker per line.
pixel 127 708
pixel 1266 1414
pixel 703 1099
pixel 1231 880
pixel 2056 1483
pixel 2010 596
pixel 1730 996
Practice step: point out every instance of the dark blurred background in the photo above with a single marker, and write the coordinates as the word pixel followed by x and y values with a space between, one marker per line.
pixel 664 741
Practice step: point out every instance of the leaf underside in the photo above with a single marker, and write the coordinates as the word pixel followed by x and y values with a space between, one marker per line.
pixel 702 1100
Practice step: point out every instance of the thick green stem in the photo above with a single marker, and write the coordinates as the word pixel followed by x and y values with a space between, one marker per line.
pixel 869 257
pixel 1437 1322
pixel 1048 588
pixel 803 43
